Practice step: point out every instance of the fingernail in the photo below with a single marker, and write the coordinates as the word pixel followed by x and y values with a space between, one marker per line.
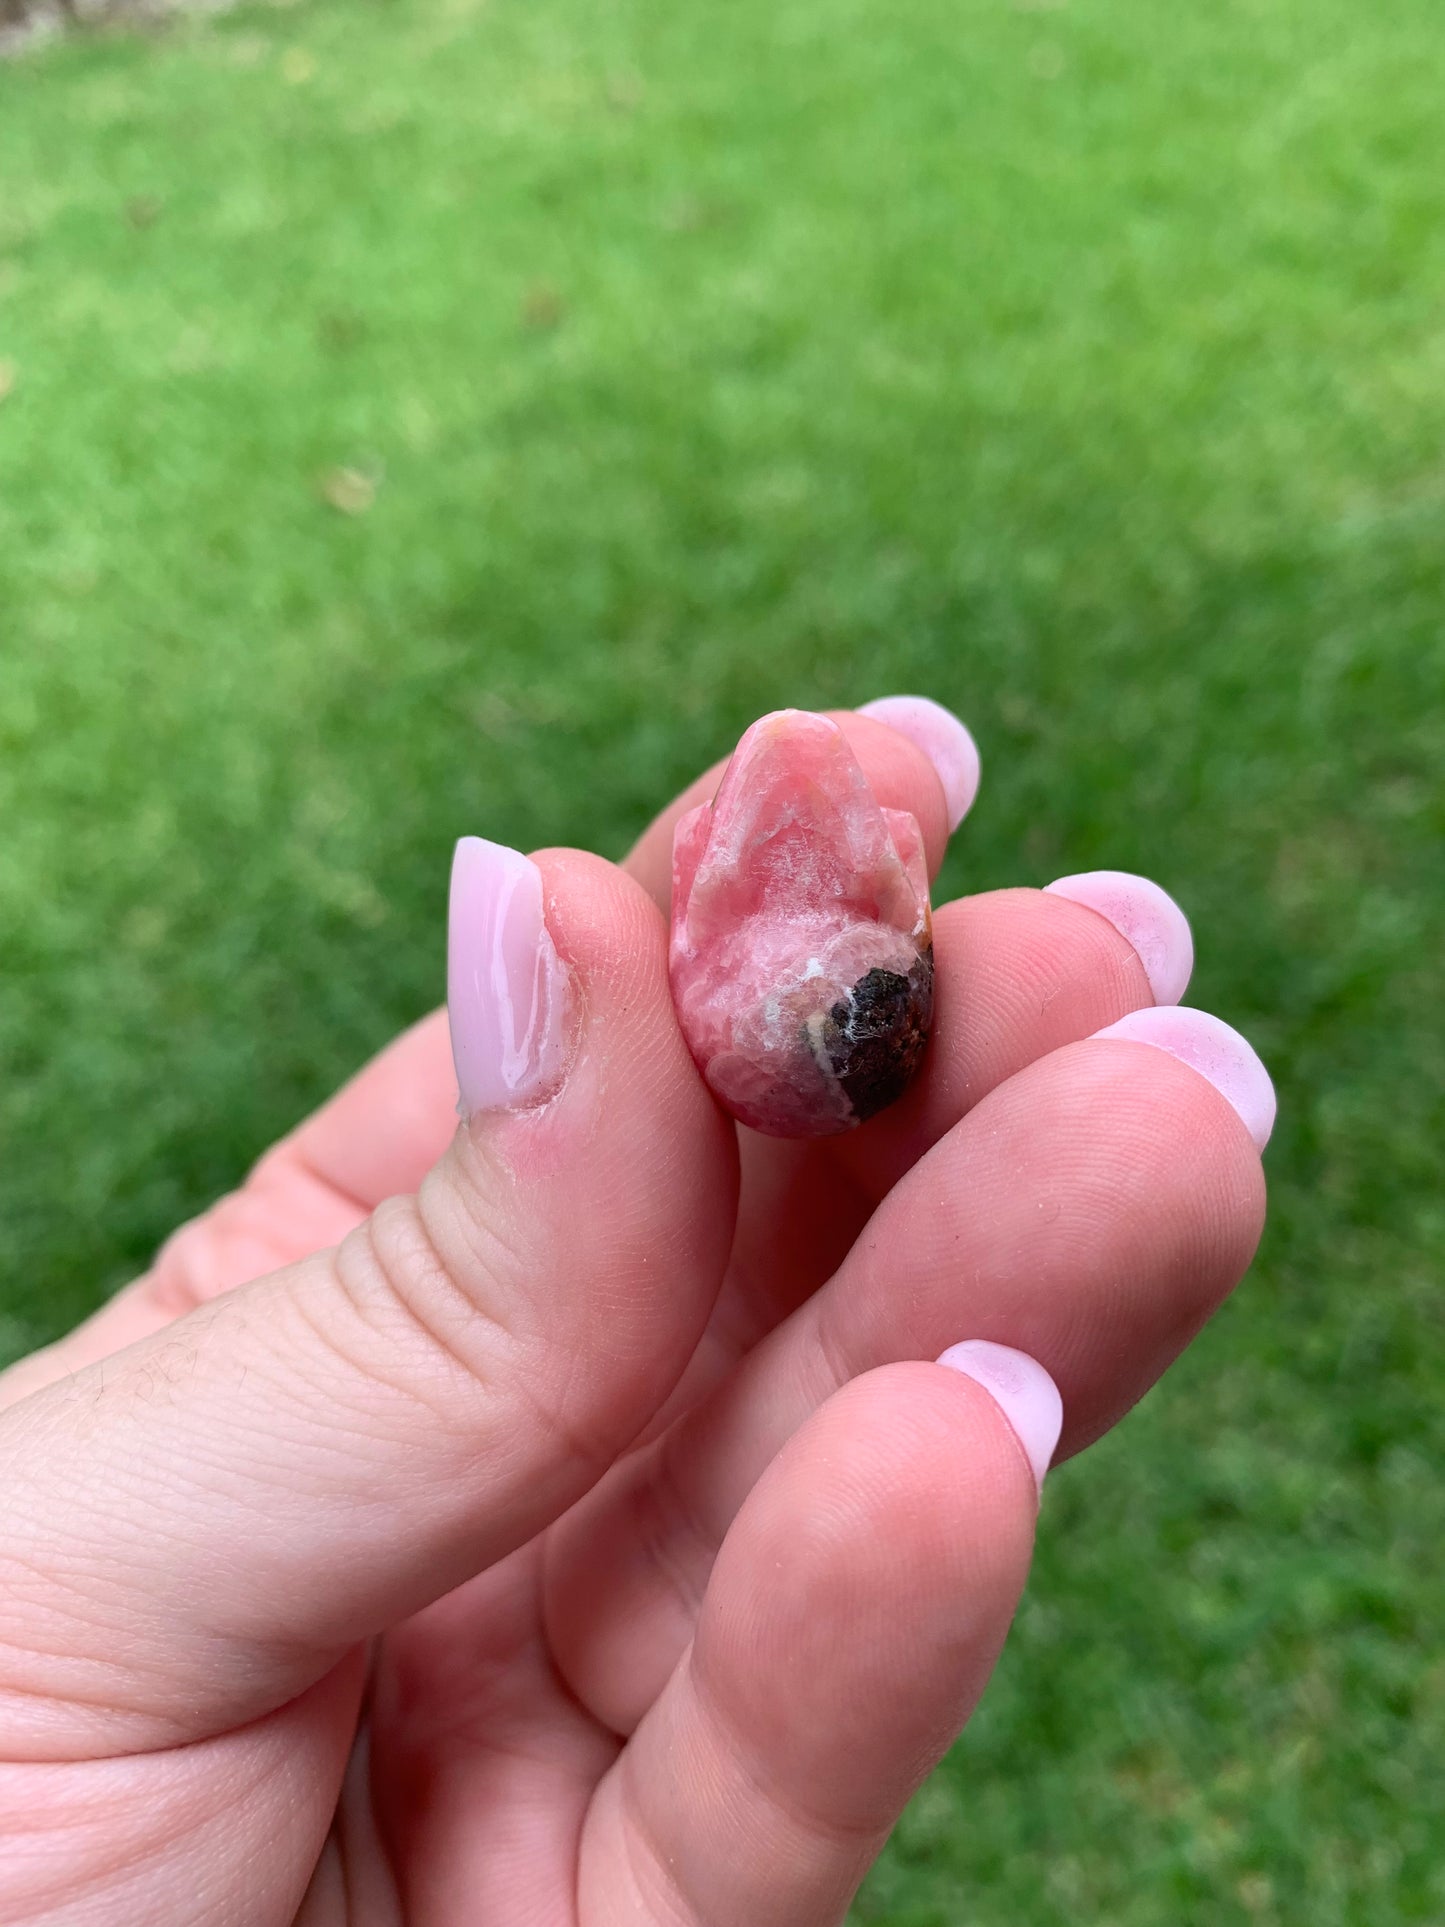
pixel 1217 1052
pixel 507 989
pixel 1022 1390
pixel 1146 916
pixel 943 740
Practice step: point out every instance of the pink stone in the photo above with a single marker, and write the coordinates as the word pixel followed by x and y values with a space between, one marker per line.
pixel 802 951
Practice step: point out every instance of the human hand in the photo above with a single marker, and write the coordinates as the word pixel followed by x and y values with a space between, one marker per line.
pixel 347 1592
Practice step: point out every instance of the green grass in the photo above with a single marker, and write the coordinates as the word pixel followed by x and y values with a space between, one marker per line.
pixel 1080 363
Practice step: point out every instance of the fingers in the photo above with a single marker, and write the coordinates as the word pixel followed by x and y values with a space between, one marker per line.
pixel 1018 974
pixel 901 775
pixel 854 1615
pixel 388 1126
pixel 199 1526
pixel 1092 1212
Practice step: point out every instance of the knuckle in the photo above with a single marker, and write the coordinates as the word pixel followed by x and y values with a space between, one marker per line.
pixel 422 1327
pixel 449 1318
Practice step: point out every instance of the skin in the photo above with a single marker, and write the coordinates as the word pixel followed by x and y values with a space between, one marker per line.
pixel 545 1520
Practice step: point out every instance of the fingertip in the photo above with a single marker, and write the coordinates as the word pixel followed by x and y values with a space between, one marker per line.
pixel 944 739
pixel 1217 1051
pixel 1023 1391
pixel 1148 919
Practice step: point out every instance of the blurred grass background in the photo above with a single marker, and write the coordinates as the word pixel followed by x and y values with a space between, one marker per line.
pixel 421 416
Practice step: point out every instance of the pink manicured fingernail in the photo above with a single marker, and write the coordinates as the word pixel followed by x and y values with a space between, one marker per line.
pixel 943 740
pixel 508 992
pixel 1022 1390
pixel 1147 916
pixel 1210 1047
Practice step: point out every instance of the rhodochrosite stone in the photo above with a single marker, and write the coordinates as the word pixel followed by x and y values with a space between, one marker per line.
pixel 802 955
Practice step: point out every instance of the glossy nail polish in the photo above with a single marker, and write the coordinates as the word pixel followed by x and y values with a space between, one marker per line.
pixel 1146 916
pixel 508 992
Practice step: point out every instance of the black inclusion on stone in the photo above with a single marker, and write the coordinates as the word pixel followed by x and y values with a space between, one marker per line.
pixel 873 1039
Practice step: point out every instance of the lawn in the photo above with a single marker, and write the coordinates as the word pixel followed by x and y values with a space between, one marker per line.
pixel 449 415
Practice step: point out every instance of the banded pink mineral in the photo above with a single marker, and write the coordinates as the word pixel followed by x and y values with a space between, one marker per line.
pixel 802 952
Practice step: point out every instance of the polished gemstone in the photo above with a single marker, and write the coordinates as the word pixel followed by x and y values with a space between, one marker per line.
pixel 802 958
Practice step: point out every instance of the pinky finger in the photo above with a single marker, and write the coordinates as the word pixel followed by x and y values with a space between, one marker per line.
pixel 851 1622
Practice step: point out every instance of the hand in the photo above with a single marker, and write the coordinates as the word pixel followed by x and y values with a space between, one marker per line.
pixel 557 1519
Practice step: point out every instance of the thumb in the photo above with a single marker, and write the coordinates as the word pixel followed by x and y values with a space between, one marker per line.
pixel 200 1525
